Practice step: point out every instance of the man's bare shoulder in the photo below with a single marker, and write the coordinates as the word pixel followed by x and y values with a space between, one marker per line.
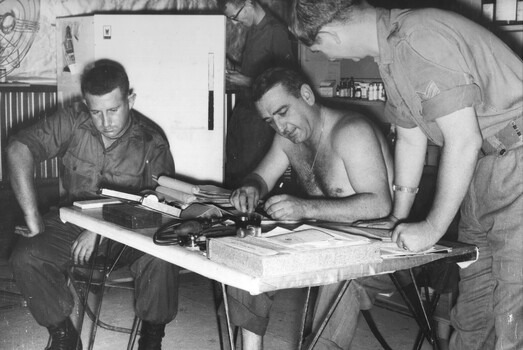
pixel 283 143
pixel 351 127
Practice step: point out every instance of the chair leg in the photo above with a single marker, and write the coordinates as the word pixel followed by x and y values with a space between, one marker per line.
pixel 83 295
pixel 99 306
pixel 90 279
pixel 134 332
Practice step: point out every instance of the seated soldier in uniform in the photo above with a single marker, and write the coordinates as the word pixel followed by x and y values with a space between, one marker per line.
pixel 100 142
pixel 344 167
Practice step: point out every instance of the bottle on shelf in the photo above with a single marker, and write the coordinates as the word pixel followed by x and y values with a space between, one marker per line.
pixel 351 87
pixel 373 92
pixel 357 91
pixel 381 92
pixel 364 91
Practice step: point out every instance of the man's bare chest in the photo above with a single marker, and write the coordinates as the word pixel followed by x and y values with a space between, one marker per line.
pixel 321 175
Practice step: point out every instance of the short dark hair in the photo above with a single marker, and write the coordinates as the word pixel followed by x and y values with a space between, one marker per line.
pixel 309 16
pixel 291 79
pixel 222 3
pixel 103 77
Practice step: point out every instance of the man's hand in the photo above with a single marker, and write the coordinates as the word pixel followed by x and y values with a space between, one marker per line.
pixel 83 247
pixel 238 79
pixel 386 223
pixel 245 199
pixel 35 225
pixel 286 207
pixel 416 236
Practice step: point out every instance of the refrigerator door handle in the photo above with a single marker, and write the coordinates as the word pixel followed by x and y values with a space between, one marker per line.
pixel 210 79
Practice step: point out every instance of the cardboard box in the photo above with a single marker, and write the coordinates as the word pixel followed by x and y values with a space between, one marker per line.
pixel 294 252
pixel 327 88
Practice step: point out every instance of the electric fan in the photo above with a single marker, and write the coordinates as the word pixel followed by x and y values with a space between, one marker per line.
pixel 18 28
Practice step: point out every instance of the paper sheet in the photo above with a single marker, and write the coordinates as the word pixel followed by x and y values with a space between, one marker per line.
pixel 391 250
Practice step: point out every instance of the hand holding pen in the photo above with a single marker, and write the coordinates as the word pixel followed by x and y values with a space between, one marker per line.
pixel 245 198
pixel 237 79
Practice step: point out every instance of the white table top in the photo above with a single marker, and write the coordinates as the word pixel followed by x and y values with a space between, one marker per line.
pixel 91 219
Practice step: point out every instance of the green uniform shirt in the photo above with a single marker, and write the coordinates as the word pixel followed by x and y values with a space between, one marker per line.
pixel 435 62
pixel 127 165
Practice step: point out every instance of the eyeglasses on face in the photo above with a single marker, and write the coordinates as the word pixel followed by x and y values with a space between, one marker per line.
pixel 235 17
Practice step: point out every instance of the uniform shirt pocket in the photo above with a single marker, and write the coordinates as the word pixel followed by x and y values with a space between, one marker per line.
pixel 80 175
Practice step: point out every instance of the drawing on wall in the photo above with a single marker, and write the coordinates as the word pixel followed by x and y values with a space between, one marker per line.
pixel 18 28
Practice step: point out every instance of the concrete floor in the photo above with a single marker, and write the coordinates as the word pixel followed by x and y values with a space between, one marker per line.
pixel 195 327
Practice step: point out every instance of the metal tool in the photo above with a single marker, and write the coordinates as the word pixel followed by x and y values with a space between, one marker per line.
pixel 248 225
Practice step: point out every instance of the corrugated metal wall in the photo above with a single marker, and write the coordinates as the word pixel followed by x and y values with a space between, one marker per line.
pixel 19 107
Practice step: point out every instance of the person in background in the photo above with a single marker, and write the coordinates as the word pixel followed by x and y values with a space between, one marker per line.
pixel 339 182
pixel 451 81
pixel 101 142
pixel 267 43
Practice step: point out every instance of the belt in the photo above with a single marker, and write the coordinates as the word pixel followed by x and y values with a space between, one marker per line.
pixel 511 136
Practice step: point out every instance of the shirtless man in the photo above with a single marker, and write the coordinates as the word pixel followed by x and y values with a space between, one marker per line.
pixel 345 170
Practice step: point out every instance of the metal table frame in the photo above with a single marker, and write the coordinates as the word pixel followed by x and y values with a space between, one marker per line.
pixel 92 219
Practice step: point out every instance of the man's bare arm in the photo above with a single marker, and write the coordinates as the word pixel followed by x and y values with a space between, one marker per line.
pixel 410 148
pixel 409 159
pixel 20 163
pixel 462 139
pixel 359 148
pixel 263 179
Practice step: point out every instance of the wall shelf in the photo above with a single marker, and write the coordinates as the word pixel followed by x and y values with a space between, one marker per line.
pixel 516 27
pixel 356 101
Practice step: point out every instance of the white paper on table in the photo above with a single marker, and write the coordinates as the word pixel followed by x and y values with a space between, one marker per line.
pixel 391 250
pixel 307 237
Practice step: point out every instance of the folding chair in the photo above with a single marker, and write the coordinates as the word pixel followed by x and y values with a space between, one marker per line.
pixel 95 278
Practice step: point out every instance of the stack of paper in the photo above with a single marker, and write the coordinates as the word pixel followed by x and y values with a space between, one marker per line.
pixel 149 200
pixel 186 193
pixel 305 249
pixel 172 195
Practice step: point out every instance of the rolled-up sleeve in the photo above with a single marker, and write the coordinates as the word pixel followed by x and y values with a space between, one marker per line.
pixel 435 69
pixel 394 115
pixel 46 138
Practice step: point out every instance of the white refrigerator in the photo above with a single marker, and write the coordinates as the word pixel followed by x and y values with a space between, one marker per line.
pixel 176 67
